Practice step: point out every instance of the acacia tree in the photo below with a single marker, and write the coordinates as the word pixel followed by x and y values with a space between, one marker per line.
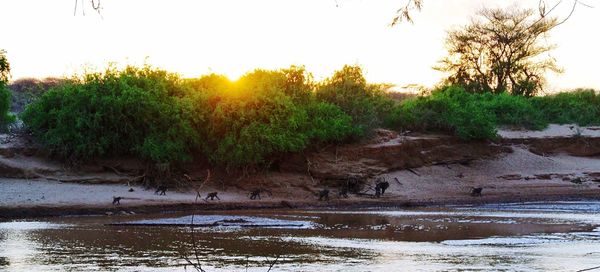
pixel 501 50
pixel 404 13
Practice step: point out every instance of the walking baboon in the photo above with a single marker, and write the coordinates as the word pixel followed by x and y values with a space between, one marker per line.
pixel 381 186
pixel 117 200
pixel 162 189
pixel 324 194
pixel 256 193
pixel 476 191
pixel 212 196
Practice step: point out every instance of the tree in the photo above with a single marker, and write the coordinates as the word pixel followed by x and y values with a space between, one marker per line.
pixel 5 97
pixel 404 13
pixel 4 67
pixel 500 51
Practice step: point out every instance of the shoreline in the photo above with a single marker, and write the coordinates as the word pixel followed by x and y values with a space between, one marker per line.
pixel 44 211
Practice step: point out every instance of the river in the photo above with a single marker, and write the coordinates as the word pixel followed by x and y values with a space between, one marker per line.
pixel 557 236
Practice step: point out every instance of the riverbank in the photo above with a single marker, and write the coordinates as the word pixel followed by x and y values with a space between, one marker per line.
pixel 421 171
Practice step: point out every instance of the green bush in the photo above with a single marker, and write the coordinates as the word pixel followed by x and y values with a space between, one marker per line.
pixel 155 115
pixel 246 132
pixel 450 110
pixel 513 110
pixel 327 123
pixel 475 116
pixel 134 111
pixel 262 116
pixel 580 107
pixel 5 99
pixel 367 104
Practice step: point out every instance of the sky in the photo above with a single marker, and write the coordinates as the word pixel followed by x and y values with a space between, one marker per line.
pixel 194 37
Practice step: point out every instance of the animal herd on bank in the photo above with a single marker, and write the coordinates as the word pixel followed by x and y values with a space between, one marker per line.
pixel 381 185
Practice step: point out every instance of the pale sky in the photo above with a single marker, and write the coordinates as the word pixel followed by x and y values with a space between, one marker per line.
pixel 231 37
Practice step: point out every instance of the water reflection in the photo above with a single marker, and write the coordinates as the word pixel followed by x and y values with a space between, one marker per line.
pixel 18 250
pixel 535 237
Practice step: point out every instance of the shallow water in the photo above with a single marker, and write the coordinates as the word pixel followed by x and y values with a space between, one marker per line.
pixel 557 236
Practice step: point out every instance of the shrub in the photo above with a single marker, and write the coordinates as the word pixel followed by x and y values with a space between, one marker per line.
pixel 262 116
pixel 5 98
pixel 474 116
pixel 134 111
pixel 155 115
pixel 367 104
pixel 581 107
pixel 450 109
pixel 513 110
pixel 327 123
pixel 246 132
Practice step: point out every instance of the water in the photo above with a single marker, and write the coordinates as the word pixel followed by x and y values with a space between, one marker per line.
pixel 557 236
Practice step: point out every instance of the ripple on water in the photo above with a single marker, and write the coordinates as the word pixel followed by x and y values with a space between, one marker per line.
pixel 224 221
pixel 30 225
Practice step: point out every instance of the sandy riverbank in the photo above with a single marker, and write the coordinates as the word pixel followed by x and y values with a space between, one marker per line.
pixel 516 176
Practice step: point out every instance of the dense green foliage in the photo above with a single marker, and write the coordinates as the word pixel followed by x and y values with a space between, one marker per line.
pixel 135 111
pixel 476 116
pixel 264 115
pixel 580 107
pixel 367 104
pixel 446 110
pixel 157 116
pixel 5 97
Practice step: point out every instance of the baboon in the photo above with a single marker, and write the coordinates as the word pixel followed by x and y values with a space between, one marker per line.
pixel 117 200
pixel 162 189
pixel 476 191
pixel 256 193
pixel 381 186
pixel 577 180
pixel 343 192
pixel 212 196
pixel 324 194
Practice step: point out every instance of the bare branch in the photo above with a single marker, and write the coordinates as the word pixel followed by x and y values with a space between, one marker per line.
pixel 95 6
pixel 404 12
